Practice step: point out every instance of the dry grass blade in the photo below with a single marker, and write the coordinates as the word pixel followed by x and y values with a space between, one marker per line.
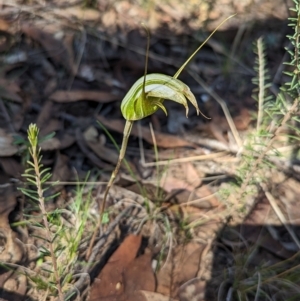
pixel 223 106
pixel 280 215
pixel 184 160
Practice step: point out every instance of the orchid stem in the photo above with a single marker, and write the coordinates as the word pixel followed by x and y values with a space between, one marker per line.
pixel 126 134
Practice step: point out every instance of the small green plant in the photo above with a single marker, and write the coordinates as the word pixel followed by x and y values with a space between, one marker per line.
pixel 63 228
pixel 276 117
pixel 37 175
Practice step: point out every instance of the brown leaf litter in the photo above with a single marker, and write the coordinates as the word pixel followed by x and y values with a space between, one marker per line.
pixel 54 47
pixel 72 96
pixel 7 148
pixel 127 277
pixel 13 249
pixel 124 274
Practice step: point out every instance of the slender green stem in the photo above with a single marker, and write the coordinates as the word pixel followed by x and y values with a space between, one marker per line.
pixel 146 60
pixel 195 52
pixel 126 134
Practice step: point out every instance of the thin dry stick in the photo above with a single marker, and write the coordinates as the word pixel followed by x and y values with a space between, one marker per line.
pixel 261 76
pixel 279 214
pixel 24 270
pixel 237 40
pixel 223 106
pixel 183 160
pixel 198 201
pixel 6 116
pixel 173 161
pixel 78 59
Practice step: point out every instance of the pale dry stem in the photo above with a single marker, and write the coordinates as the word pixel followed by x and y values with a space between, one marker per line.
pixel 261 76
pixel 184 160
pixel 280 215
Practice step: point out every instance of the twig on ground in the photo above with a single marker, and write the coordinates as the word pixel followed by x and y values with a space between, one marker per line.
pixel 280 215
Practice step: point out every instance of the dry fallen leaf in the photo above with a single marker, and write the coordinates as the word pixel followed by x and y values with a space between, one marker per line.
pixel 79 12
pixel 50 144
pixel 109 19
pixel 202 198
pixel 289 189
pixel 192 290
pixel 12 249
pixel 54 47
pixel 182 265
pixel 190 174
pixel 4 24
pixel 189 178
pixel 110 281
pixel 7 148
pixel 45 115
pixel 72 96
pixel 139 276
pixel 243 120
pixel 52 126
pixel 152 296
pixel 96 145
pixel 61 172
pixel 11 167
pixel 88 153
pixel 170 183
pixel 15 287
pixel 124 275
pixel 9 90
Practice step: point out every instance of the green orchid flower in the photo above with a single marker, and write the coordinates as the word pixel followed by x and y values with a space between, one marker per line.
pixel 142 101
